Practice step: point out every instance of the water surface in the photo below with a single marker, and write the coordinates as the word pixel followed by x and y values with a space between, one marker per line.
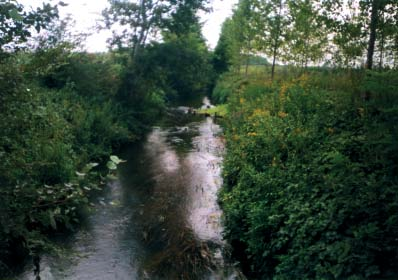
pixel 160 219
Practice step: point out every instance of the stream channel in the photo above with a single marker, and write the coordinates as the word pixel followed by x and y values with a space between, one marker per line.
pixel 160 219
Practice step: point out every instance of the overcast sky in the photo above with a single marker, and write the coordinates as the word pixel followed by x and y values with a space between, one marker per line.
pixel 87 12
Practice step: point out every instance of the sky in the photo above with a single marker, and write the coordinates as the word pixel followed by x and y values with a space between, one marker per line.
pixel 87 12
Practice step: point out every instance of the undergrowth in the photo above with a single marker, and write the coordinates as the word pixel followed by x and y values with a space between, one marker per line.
pixel 310 176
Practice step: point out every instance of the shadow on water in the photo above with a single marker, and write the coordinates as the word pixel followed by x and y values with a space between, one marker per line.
pixel 160 220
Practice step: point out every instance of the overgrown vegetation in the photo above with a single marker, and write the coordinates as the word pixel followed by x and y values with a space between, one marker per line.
pixel 63 111
pixel 311 178
pixel 310 174
pixel 53 134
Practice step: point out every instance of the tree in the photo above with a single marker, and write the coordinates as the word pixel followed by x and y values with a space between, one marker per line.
pixel 346 30
pixel 374 22
pixel 138 20
pixel 306 36
pixel 229 50
pixel 235 45
pixel 184 62
pixel 373 14
pixel 388 35
pixel 222 58
pixel 154 70
pixel 270 22
pixel 145 19
pixel 359 25
pixel 183 18
pixel 16 22
pixel 244 32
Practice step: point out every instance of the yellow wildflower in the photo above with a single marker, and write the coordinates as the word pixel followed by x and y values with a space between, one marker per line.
pixel 282 92
pixel 259 113
pixel 282 114
pixel 303 80
pixel 361 111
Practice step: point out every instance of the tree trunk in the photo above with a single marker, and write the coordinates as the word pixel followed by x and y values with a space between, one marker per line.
pixel 395 51
pixel 143 31
pixel 381 45
pixel 374 18
pixel 306 53
pixel 381 51
pixel 247 66
pixel 247 60
pixel 278 33
pixel 273 63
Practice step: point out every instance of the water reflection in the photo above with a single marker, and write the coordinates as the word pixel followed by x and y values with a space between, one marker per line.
pixel 161 219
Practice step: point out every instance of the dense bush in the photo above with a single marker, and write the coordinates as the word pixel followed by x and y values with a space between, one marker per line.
pixel 179 67
pixel 50 141
pixel 311 180
pixel 225 85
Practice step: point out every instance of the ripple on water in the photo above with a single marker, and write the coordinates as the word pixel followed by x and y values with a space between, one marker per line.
pixel 161 220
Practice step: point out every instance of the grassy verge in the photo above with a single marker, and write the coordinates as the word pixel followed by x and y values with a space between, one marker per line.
pixel 220 111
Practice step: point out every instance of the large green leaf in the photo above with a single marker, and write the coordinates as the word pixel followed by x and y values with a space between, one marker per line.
pixel 116 159
pixel 111 165
pixel 14 14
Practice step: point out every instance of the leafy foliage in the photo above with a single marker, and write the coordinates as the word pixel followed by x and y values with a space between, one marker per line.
pixel 15 22
pixel 310 178
pixel 305 33
pixel 138 22
pixel 48 141
pixel 63 112
pixel 176 68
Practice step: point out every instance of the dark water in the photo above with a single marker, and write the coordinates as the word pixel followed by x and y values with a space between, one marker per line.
pixel 160 220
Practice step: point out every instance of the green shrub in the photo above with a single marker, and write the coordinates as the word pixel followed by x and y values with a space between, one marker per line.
pixel 310 178
pixel 226 85
pixel 48 141
pixel 96 128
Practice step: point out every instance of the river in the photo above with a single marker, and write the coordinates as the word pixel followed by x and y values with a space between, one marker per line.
pixel 160 219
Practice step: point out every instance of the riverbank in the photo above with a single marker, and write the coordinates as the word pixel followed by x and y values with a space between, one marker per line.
pixel 219 111
pixel 310 177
